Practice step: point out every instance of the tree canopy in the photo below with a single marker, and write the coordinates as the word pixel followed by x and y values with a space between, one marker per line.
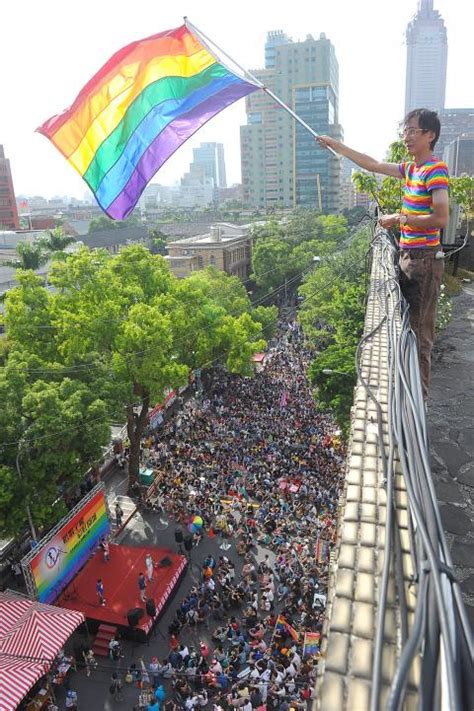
pixel 113 337
pixel 332 315
pixel 285 250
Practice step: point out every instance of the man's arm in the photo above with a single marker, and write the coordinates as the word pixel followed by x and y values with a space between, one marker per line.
pixel 438 218
pixel 360 159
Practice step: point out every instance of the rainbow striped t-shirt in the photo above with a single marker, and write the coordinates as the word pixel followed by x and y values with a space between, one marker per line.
pixel 420 181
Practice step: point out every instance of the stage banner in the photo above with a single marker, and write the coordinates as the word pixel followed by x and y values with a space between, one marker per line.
pixel 63 555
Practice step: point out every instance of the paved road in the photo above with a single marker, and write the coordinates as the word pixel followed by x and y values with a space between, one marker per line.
pixel 451 426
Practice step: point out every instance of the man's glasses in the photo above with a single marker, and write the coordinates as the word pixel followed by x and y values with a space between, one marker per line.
pixel 413 131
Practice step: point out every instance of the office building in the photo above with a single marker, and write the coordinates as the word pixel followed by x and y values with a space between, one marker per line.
pixel 196 190
pixel 348 196
pixel 427 58
pixel 210 158
pixel 454 123
pixel 8 209
pixel 459 156
pixel 281 164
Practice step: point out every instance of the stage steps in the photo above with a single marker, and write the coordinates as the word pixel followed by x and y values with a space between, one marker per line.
pixel 104 634
pixel 128 507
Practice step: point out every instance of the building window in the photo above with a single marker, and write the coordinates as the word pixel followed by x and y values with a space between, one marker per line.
pixel 212 260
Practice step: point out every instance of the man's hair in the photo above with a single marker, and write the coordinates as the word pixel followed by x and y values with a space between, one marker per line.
pixel 427 120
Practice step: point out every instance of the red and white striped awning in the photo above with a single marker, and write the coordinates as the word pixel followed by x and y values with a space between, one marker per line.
pixel 31 634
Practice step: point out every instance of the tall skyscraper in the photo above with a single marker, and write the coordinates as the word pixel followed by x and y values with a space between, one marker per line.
pixel 8 208
pixel 210 158
pixel 427 57
pixel 281 163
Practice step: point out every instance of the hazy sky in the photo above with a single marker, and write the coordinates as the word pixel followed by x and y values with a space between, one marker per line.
pixel 49 49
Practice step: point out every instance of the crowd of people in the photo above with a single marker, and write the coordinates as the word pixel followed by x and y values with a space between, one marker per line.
pixel 263 468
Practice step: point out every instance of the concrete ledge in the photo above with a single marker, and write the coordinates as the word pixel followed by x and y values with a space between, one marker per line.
pixel 346 666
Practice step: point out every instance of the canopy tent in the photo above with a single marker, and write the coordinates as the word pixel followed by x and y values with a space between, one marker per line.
pixel 31 635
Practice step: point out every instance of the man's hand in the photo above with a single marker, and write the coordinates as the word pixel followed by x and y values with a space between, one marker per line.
pixel 328 142
pixel 388 221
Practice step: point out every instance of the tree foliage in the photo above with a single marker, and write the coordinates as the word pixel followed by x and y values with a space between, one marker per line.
pixel 387 193
pixel 57 240
pixel 285 250
pixel 105 346
pixel 30 255
pixel 106 223
pixel 332 316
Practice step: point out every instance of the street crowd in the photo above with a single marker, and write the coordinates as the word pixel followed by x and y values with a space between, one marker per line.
pixel 263 469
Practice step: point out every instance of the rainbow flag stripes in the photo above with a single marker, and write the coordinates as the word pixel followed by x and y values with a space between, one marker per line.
pixel 58 561
pixel 282 622
pixel 311 643
pixel 420 181
pixel 144 103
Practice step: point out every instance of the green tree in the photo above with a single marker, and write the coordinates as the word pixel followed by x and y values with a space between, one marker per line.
pixel 333 373
pixel 151 328
pixel 271 262
pixel 332 316
pixel 158 242
pixel 387 193
pixel 267 318
pixel 461 189
pixel 117 332
pixel 106 223
pixel 31 255
pixel 57 240
pixel 354 215
pixel 52 432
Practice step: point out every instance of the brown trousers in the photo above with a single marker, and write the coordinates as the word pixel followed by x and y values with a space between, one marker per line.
pixel 420 282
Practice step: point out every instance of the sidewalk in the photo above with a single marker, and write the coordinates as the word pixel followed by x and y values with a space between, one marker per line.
pixel 451 431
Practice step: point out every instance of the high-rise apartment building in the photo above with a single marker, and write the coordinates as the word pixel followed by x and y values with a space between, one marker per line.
pixel 8 209
pixel 427 57
pixel 210 158
pixel 281 163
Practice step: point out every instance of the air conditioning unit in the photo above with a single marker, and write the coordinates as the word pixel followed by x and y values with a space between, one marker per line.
pixel 456 215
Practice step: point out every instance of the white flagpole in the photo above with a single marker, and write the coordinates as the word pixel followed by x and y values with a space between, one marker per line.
pixel 253 79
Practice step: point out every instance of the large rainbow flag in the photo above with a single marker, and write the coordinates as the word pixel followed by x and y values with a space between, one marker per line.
pixel 144 103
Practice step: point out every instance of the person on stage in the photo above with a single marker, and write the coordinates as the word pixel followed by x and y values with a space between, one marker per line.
pixel 99 586
pixel 104 544
pixel 149 562
pixel 142 586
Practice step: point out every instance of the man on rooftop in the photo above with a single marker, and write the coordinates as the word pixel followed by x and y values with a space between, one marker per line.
pixel 425 210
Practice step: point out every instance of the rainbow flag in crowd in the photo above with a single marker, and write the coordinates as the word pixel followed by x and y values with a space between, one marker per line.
pixel 311 643
pixel 294 634
pixel 144 103
pixel 321 550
